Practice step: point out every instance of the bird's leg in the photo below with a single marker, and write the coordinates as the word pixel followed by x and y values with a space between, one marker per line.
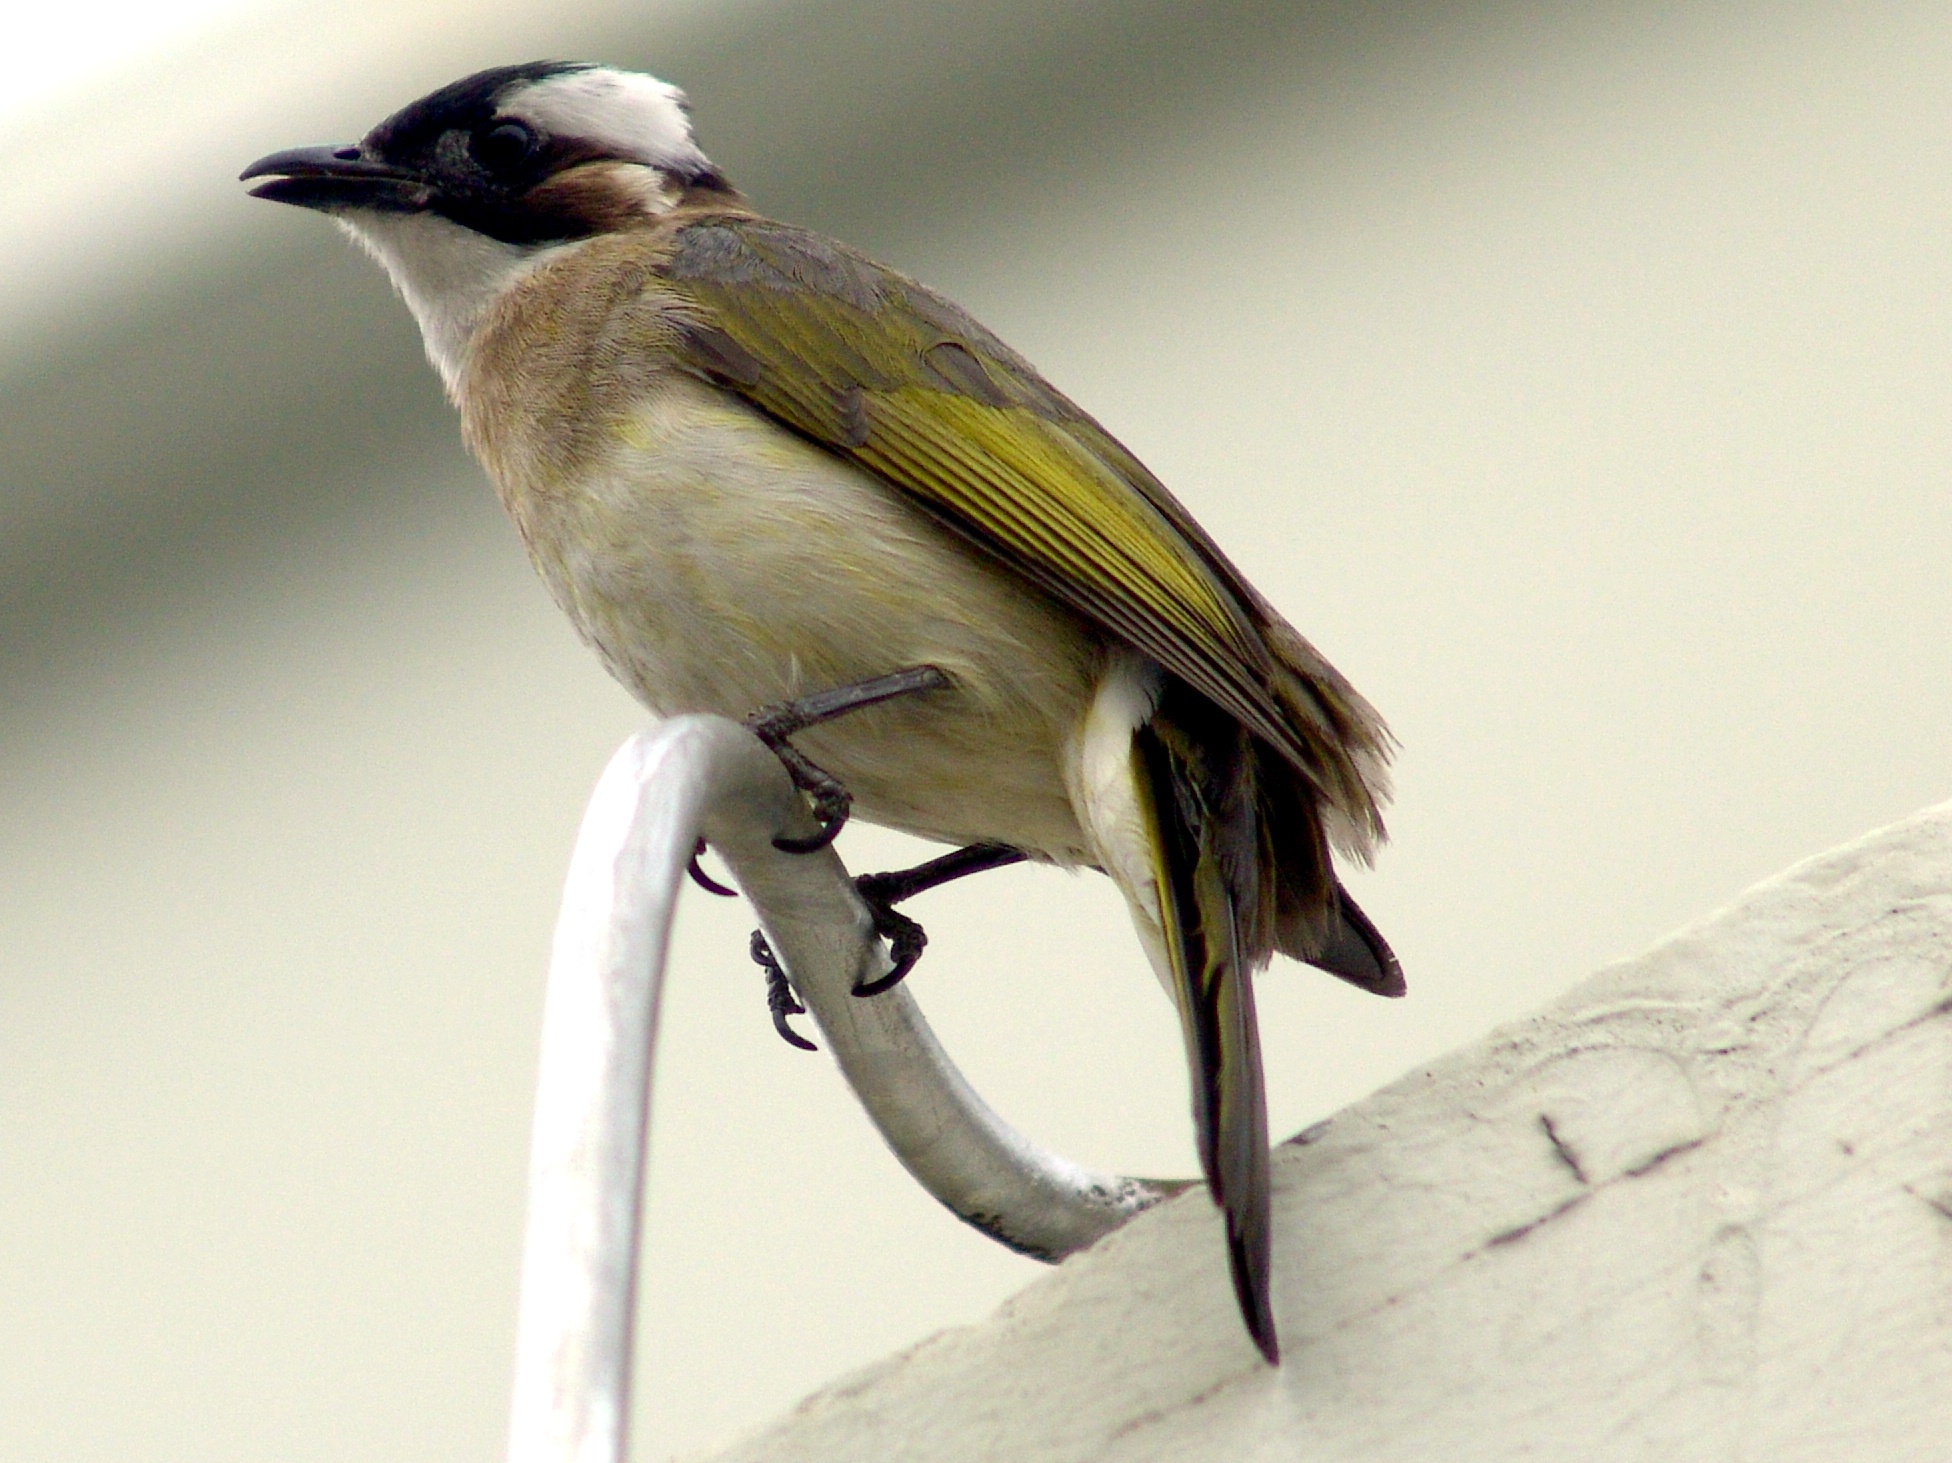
pixel 906 939
pixel 774 724
pixel 907 883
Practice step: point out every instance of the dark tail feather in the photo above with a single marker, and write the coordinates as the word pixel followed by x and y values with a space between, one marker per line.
pixel 1315 920
pixel 1213 983
pixel 1355 950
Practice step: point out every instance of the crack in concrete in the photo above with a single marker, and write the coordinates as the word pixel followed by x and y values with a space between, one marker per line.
pixel 1151 1417
pixel 1564 1150
pixel 1661 1158
pixel 1939 1203
pixel 1513 1236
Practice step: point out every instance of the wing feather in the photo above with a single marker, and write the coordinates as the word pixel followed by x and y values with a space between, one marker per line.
pixel 874 367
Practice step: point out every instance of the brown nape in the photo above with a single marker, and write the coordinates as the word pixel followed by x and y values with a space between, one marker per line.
pixel 609 197
pixel 710 193
pixel 710 187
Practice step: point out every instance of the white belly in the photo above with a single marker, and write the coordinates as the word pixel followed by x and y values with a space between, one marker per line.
pixel 718 563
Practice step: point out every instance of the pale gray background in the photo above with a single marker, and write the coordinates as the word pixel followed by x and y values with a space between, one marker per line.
pixel 1576 375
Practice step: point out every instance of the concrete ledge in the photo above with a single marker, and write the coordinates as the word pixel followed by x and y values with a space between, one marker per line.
pixel 1700 1208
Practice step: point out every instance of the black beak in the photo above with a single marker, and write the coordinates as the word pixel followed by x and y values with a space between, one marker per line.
pixel 332 178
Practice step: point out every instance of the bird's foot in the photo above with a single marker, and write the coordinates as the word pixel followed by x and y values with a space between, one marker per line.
pixel 831 802
pixel 773 725
pixel 780 1000
pixel 906 938
pixel 906 941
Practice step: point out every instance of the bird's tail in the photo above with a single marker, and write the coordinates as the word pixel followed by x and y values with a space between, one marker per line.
pixel 1198 795
pixel 1313 919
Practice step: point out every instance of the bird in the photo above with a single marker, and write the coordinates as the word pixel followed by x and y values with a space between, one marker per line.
pixel 768 477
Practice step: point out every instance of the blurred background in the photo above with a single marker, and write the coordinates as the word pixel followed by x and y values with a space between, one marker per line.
pixel 1575 375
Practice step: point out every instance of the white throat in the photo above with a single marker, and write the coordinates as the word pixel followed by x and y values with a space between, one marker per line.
pixel 448 275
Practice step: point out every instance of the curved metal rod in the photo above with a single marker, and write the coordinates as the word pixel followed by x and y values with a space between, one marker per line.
pixel 665 787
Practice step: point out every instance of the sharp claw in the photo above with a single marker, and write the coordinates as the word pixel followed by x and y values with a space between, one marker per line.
pixel 887 982
pixel 831 805
pixel 829 831
pixel 780 1000
pixel 704 880
pixel 789 1035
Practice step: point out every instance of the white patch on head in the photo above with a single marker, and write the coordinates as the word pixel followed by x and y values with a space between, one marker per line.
pixel 447 274
pixel 627 114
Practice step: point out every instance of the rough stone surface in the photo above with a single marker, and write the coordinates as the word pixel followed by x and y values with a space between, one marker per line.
pixel 1699 1208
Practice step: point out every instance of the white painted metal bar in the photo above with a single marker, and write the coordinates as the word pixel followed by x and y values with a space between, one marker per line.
pixel 693 776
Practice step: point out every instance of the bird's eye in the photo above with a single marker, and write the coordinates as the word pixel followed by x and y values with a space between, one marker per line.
pixel 502 147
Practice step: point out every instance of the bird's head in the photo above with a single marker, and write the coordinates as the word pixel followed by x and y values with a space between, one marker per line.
pixel 463 191
pixel 533 154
